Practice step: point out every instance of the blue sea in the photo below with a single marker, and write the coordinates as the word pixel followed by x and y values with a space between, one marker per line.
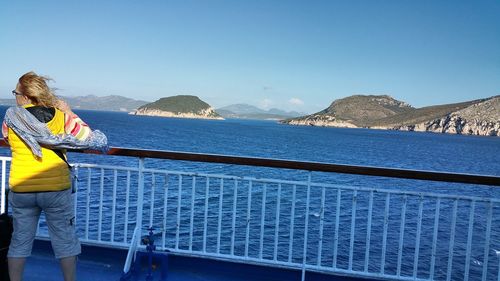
pixel 268 139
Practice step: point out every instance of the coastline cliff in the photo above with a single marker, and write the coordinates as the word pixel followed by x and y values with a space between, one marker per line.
pixel 478 117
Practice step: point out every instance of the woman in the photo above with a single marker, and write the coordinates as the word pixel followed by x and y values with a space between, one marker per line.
pixel 40 176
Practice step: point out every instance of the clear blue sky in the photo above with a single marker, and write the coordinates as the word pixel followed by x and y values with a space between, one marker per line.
pixel 298 55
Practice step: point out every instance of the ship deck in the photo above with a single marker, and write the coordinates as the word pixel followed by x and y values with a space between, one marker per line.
pixel 99 263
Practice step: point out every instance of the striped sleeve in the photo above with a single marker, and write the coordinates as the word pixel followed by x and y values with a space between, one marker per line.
pixel 5 131
pixel 75 126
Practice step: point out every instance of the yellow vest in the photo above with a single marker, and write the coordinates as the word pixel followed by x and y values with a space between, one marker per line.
pixel 31 174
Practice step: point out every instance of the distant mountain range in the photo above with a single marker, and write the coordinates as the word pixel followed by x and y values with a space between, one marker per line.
pixel 246 111
pixel 120 103
pixel 477 117
pixel 91 102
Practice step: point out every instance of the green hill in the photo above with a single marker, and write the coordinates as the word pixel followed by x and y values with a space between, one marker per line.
pixel 178 104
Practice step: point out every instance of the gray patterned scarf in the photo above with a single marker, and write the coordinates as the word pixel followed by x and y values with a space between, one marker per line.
pixel 36 134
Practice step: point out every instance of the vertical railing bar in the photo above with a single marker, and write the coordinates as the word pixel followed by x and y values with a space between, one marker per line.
pixel 292 223
pixel 277 225
pixel 452 240
pixel 353 227
pixel 401 235
pixel 262 220
pixel 38 228
pixel 4 172
pixel 152 200
pixel 101 195
pixel 233 226
pixel 87 218
pixel 434 238
pixel 419 233
pixel 165 205
pixel 487 241
pixel 140 194
pixel 191 220
pixel 74 190
pixel 384 235
pixel 205 220
pixel 127 195
pixel 337 223
pixel 368 231
pixel 498 274
pixel 219 228
pixel 469 239
pixel 179 197
pixel 113 211
pixel 321 224
pixel 249 206
pixel 306 227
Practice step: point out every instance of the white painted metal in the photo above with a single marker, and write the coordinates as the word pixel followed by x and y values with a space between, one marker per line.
pixel 353 227
pixel 152 199
pixel 205 220
pixel 306 227
pixel 292 224
pixel 452 240
pixel 233 224
pixel 417 238
pixel 321 225
pixel 219 224
pixel 368 232
pixel 469 240
pixel 165 205
pixel 191 220
pixel 337 225
pixel 384 239
pixel 113 207
pixel 140 194
pixel 487 241
pixel 249 206
pixel 3 207
pixel 178 226
pixel 101 197
pixel 434 238
pixel 94 231
pixel 127 200
pixel 75 195
pixel 277 225
pixel 87 213
pixel 262 220
pixel 133 247
pixel 401 235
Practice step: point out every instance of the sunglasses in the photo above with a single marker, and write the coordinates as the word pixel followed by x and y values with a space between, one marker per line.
pixel 16 93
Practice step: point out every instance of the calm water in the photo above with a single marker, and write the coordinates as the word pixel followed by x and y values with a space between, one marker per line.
pixel 421 151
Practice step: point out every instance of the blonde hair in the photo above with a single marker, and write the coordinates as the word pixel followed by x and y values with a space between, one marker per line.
pixel 35 88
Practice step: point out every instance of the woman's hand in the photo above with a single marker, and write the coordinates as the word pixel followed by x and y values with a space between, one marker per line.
pixel 64 107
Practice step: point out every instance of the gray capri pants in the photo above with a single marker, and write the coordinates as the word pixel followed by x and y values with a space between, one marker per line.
pixel 59 214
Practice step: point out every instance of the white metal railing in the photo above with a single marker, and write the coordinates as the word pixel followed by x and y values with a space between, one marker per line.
pixel 305 225
pixel 3 205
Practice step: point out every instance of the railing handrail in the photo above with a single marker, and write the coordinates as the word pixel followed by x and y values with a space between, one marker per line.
pixel 300 165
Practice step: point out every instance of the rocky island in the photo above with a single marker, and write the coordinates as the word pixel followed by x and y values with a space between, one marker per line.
pixel 477 117
pixel 182 106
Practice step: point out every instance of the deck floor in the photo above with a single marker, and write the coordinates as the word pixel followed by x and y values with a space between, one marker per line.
pixel 96 264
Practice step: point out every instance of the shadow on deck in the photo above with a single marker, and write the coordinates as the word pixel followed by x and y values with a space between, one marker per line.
pixel 100 263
